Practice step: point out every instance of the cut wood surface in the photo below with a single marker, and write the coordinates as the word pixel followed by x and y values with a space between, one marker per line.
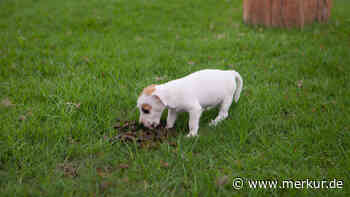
pixel 286 13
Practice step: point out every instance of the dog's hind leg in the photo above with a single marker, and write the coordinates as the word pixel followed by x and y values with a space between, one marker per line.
pixel 223 113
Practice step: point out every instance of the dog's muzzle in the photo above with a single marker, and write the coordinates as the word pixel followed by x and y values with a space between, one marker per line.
pixel 150 125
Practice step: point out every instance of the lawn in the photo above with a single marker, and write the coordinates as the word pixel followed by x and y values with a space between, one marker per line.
pixel 70 68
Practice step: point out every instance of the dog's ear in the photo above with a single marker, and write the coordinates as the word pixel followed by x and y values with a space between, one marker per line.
pixel 165 100
pixel 157 98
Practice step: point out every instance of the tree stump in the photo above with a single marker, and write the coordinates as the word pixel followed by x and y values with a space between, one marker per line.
pixel 286 13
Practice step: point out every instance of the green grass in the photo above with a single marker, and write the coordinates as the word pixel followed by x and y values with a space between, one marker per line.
pixel 292 121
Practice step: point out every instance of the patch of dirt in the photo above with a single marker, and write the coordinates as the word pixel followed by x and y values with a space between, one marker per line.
pixel 7 103
pixel 69 169
pixel 132 132
pixel 220 181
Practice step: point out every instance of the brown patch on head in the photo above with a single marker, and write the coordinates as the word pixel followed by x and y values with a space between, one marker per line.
pixel 146 107
pixel 149 90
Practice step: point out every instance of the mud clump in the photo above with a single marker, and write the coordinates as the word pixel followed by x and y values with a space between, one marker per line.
pixel 132 132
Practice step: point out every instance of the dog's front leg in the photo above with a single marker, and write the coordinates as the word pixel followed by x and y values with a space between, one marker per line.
pixel 193 124
pixel 172 114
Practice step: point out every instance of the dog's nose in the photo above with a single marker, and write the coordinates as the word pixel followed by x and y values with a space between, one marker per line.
pixel 146 124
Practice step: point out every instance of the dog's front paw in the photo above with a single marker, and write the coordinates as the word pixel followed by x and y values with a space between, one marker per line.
pixel 169 126
pixel 191 135
pixel 213 123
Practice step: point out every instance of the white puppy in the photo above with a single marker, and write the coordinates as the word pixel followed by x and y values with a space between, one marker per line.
pixel 193 93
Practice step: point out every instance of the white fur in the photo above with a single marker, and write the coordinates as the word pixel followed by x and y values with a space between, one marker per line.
pixel 193 93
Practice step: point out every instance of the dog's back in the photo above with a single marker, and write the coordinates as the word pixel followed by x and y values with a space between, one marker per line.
pixel 209 86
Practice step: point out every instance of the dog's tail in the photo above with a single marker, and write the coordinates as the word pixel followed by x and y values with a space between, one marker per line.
pixel 239 83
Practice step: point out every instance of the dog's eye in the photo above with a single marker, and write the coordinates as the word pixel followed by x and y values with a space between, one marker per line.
pixel 146 111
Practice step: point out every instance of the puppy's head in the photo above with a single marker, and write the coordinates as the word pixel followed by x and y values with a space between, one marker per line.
pixel 150 106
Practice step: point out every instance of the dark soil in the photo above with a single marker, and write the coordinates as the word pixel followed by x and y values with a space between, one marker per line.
pixel 132 132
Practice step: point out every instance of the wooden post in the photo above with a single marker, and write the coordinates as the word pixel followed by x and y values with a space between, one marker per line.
pixel 286 13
